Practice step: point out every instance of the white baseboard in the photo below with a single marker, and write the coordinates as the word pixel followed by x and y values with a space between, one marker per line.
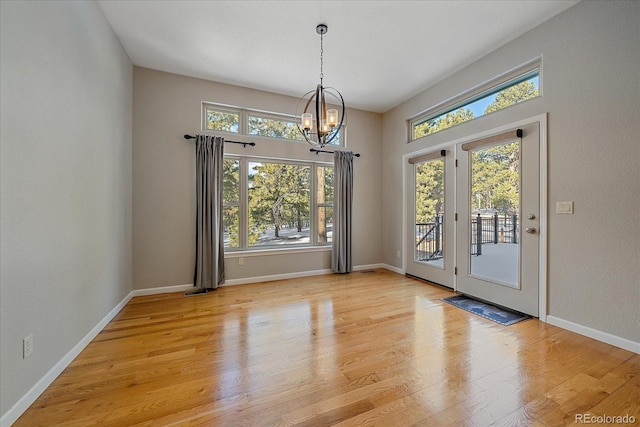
pixel 162 290
pixel 595 334
pixel 257 279
pixel 271 278
pixel 367 267
pixel 392 268
pixel 27 400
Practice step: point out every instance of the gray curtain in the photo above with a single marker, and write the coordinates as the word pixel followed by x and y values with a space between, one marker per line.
pixel 341 260
pixel 209 268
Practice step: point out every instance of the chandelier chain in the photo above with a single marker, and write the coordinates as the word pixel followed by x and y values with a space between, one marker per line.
pixel 321 58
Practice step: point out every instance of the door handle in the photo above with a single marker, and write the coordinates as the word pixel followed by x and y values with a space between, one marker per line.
pixel 530 230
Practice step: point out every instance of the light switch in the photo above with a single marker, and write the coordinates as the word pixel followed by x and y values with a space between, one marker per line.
pixel 564 207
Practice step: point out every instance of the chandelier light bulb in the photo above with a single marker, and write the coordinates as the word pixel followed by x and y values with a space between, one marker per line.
pixel 324 126
pixel 332 118
pixel 307 122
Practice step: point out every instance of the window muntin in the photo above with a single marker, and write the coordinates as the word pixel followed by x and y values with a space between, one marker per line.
pixel 220 119
pixel 511 92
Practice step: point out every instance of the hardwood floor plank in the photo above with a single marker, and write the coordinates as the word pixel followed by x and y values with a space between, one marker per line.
pixel 625 400
pixel 540 410
pixel 350 350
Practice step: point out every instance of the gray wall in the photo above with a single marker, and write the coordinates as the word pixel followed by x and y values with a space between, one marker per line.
pixel 65 183
pixel 591 69
pixel 165 107
pixel 68 196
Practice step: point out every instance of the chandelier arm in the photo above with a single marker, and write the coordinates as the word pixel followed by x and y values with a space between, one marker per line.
pixel 336 131
pixel 323 118
pixel 323 113
pixel 318 111
pixel 306 107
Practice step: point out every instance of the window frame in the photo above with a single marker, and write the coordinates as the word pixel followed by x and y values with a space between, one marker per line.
pixel 509 79
pixel 243 211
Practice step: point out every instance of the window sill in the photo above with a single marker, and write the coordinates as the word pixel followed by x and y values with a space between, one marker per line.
pixel 275 251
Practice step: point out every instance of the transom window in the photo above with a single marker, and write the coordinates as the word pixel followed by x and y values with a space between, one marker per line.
pixel 272 127
pixel 508 91
pixel 224 118
pixel 220 119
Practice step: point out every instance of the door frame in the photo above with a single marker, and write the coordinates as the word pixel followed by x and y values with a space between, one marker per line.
pixel 450 145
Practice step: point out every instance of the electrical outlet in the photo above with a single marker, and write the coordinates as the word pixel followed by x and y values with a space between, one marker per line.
pixel 27 346
pixel 241 261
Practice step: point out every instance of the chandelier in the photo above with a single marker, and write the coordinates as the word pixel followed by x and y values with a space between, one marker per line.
pixel 318 125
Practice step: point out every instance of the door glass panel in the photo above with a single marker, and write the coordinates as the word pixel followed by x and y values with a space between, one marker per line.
pixel 495 201
pixel 429 212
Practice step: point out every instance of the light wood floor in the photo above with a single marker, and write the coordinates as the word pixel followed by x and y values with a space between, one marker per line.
pixel 360 349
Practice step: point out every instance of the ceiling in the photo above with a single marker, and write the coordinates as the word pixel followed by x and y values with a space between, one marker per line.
pixel 376 53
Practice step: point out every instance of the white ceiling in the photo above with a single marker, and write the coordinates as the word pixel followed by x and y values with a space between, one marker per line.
pixel 376 53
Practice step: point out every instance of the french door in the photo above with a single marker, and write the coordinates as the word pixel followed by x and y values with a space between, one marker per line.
pixel 473 216
pixel 430 217
pixel 497 231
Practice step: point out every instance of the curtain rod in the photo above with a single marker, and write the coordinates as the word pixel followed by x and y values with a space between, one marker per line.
pixel 493 140
pixel 244 144
pixel 313 150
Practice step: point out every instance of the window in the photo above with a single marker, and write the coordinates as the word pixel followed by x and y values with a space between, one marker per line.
pixel 270 203
pixel 324 203
pixel 286 203
pixel 279 199
pixel 512 90
pixel 273 127
pixel 218 117
pixel 231 201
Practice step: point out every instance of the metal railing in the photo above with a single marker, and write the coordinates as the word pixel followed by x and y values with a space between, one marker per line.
pixel 485 229
pixel 493 229
pixel 429 240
